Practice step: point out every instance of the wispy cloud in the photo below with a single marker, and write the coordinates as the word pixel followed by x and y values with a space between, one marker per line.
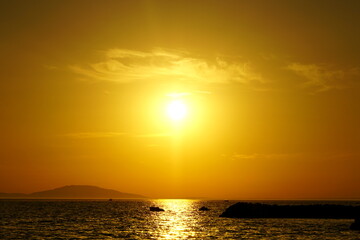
pixel 152 135
pixel 328 156
pixel 258 156
pixel 50 67
pixel 322 78
pixel 85 135
pixel 123 65
pixel 184 94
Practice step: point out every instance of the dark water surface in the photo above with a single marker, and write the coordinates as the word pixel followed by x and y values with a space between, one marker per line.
pixel 120 219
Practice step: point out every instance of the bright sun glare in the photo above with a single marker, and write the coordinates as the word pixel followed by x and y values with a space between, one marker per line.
pixel 176 110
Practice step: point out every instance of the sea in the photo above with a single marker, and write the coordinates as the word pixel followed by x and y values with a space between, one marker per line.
pixel 132 219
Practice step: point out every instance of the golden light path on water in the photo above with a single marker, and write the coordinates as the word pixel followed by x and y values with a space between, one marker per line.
pixel 178 221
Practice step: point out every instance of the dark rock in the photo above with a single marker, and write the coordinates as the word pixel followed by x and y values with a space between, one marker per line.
pixel 356 224
pixel 204 209
pixel 156 209
pixel 259 210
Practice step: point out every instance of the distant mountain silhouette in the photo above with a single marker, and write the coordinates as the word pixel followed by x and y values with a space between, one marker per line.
pixel 74 192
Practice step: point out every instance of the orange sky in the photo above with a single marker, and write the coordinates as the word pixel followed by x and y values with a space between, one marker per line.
pixel 271 88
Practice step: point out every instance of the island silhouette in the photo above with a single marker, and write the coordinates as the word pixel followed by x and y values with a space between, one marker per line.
pixel 74 192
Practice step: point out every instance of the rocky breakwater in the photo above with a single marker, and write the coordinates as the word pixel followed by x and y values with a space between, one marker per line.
pixel 260 210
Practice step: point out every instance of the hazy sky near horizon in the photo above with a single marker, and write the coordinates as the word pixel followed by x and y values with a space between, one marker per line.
pixel 272 90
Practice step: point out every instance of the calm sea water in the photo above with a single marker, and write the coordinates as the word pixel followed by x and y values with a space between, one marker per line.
pixel 85 219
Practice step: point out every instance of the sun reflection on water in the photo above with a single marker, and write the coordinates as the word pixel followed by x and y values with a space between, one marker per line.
pixel 178 221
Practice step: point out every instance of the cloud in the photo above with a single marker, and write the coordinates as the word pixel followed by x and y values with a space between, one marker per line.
pixel 258 156
pixel 178 94
pixel 86 135
pixel 50 67
pixel 123 66
pixel 327 156
pixel 152 135
pixel 184 94
pixel 322 78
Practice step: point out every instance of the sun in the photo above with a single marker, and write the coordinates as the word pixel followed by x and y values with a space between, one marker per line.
pixel 176 110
